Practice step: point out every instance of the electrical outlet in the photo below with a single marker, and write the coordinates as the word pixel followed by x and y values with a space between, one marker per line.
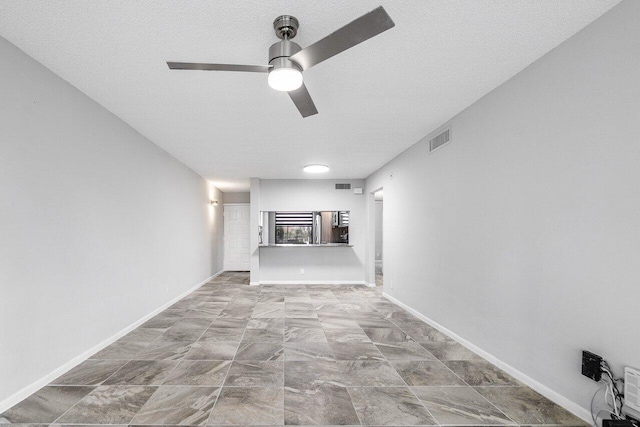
pixel 302 271
pixel 166 287
pixel 391 284
pixel 591 365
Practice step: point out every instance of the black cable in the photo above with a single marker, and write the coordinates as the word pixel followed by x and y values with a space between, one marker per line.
pixel 593 416
pixel 617 395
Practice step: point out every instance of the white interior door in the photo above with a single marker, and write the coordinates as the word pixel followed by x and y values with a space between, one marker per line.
pixel 236 237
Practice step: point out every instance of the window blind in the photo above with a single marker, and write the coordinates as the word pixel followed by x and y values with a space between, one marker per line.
pixel 294 219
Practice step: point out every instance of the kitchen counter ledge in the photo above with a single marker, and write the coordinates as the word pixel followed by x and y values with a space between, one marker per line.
pixel 310 245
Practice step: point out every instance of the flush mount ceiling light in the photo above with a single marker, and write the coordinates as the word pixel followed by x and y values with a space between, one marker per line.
pixel 316 168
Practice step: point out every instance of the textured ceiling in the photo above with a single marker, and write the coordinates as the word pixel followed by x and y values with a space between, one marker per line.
pixel 374 100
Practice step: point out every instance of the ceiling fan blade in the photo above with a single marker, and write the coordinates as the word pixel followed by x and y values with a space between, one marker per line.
pixel 218 67
pixel 303 101
pixel 355 32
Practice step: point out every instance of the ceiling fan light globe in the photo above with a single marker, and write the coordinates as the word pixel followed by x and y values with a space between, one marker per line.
pixel 285 79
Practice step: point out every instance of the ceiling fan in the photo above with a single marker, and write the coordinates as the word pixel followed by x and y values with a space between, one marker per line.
pixel 287 59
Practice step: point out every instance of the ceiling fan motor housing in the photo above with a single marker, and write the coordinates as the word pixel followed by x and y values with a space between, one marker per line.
pixel 286 26
pixel 280 52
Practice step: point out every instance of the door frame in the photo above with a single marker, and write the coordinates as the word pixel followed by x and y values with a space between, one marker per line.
pixel 370 266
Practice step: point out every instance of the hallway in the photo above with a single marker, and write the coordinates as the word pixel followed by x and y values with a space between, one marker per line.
pixel 230 354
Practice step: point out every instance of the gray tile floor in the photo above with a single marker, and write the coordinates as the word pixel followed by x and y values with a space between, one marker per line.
pixel 230 354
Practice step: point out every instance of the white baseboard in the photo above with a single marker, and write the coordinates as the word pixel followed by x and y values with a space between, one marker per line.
pixel 254 283
pixel 547 392
pixel 312 282
pixel 371 285
pixel 37 385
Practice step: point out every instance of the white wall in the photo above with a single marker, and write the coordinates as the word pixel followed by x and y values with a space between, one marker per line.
pixel 236 197
pixel 321 264
pixel 523 235
pixel 378 232
pixel 98 226
pixel 254 229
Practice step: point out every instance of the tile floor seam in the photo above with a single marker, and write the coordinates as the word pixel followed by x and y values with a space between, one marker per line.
pixel 223 381
pixel 335 309
pixel 476 391
pixel 407 386
pixel 442 362
pixel 435 359
pixel 95 388
pixel 416 396
pixel 492 404
pixel 284 364
pixel 73 406
pixel 354 407
pixel 182 359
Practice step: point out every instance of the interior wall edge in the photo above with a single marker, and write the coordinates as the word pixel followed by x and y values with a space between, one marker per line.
pixel 35 386
pixel 547 392
pixel 525 221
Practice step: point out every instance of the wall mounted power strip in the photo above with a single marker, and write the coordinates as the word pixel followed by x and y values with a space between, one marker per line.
pixel 632 388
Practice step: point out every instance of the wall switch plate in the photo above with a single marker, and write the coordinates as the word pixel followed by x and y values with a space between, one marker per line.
pixel 302 271
pixel 591 365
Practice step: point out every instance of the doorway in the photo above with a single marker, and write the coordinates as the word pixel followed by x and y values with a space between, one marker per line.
pixel 236 237
pixel 379 238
